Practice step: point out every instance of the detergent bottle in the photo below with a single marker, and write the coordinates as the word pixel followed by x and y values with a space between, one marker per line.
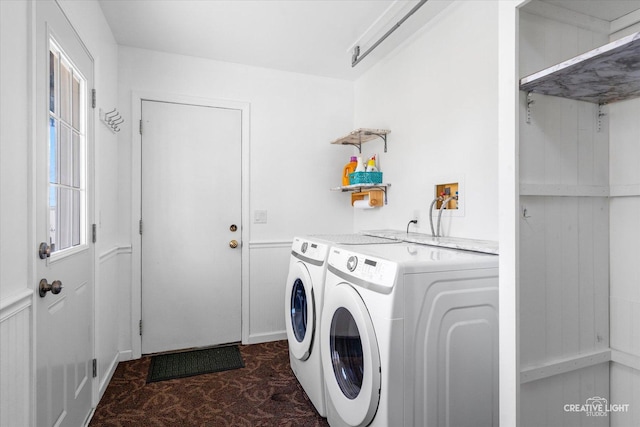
pixel 371 164
pixel 349 168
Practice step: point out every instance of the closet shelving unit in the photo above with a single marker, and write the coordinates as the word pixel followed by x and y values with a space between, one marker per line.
pixel 602 76
pixel 356 138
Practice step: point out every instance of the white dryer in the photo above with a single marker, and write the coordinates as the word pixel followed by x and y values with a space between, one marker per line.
pixel 304 292
pixel 409 337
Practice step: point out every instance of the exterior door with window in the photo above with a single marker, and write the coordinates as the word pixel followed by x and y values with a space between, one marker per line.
pixel 63 253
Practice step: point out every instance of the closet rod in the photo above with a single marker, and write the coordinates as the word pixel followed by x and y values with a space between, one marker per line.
pixel 356 58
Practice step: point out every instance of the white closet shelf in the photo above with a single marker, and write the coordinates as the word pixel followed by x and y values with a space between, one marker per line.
pixel 603 75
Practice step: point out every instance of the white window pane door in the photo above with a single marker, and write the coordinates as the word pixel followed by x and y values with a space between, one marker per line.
pixel 67 127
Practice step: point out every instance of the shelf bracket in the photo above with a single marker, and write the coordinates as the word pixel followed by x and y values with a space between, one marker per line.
pixel 530 101
pixel 601 114
pixel 383 136
pixel 358 146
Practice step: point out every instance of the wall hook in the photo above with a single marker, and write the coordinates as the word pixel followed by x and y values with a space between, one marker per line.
pixel 112 119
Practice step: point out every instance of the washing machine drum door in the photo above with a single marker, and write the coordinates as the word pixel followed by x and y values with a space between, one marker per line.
pixel 300 315
pixel 350 356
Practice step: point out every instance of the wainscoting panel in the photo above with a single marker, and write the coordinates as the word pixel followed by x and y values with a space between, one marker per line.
pixel 15 359
pixel 267 278
pixel 109 311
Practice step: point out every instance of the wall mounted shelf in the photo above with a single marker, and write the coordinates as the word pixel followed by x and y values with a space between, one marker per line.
pixel 363 189
pixel 362 135
pixel 603 75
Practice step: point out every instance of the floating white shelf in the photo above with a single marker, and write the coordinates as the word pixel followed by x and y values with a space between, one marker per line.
pixel 603 75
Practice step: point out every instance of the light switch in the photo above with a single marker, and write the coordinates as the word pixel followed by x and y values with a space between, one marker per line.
pixel 260 217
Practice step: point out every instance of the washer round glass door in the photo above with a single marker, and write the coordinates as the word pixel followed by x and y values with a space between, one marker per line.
pixel 300 311
pixel 350 357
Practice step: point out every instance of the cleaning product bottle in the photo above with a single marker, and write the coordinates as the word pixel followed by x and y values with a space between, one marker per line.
pixel 371 164
pixel 349 168
pixel 360 165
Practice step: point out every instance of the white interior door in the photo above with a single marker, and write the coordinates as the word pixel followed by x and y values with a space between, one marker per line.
pixel 63 207
pixel 191 215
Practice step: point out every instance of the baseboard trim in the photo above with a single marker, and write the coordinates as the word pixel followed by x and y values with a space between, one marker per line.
pixel 266 337
pixel 104 382
pixel 125 355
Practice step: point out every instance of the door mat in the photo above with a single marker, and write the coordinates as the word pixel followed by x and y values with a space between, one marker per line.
pixel 189 363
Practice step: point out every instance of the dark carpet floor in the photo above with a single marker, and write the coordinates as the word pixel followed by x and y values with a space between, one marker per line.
pixel 263 393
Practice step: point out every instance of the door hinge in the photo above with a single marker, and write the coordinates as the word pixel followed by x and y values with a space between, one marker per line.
pixel 94 233
pixel 93 98
pixel 95 368
pixel 140 129
pixel 140 227
pixel 140 327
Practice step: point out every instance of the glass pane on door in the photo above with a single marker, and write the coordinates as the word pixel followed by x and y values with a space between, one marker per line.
pixel 67 89
pixel 346 353
pixel 299 310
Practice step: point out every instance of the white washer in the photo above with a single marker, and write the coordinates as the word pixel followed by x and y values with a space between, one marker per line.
pixel 303 305
pixel 409 337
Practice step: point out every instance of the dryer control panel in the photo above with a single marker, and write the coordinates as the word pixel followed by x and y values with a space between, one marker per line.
pixel 309 251
pixel 363 270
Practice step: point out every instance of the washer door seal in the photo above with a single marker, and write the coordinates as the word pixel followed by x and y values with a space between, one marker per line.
pixel 350 356
pixel 300 315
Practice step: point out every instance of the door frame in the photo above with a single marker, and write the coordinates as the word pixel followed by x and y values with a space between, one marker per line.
pixel 136 201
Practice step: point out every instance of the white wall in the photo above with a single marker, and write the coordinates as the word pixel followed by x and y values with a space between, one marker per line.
pixel 438 95
pixel 293 117
pixel 624 208
pixel 14 138
pixel 16 361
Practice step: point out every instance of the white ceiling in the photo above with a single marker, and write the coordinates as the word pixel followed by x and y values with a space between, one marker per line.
pixel 608 10
pixel 306 36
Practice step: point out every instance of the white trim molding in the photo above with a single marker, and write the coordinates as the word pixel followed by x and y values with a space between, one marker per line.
pixel 270 244
pixel 564 365
pixel 14 304
pixel 114 251
pixel 626 359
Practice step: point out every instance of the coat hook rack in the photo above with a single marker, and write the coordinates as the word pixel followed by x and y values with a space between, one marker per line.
pixel 112 119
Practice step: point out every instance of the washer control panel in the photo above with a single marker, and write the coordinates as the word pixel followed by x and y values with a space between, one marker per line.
pixel 309 250
pixel 363 269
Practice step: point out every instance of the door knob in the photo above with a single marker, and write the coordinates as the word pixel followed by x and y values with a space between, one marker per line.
pixel 44 250
pixel 233 244
pixel 55 287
